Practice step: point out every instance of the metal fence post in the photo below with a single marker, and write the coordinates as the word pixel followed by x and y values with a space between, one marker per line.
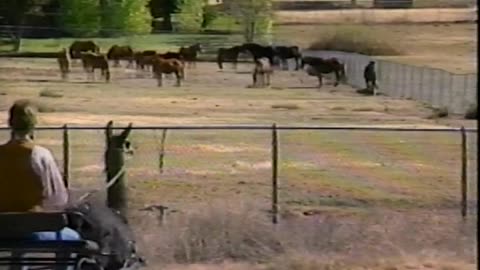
pixel 274 174
pixel 464 172
pixel 66 156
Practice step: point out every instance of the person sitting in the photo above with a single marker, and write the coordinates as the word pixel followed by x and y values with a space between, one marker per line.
pixel 30 180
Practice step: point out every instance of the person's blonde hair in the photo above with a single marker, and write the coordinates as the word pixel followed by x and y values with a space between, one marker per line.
pixel 22 116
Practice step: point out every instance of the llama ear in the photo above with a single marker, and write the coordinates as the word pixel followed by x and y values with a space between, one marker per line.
pixel 126 132
pixel 108 131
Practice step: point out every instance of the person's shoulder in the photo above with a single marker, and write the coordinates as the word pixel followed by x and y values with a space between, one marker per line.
pixel 41 152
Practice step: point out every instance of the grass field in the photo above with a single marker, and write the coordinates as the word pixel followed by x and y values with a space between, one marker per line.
pixel 348 199
pixel 330 177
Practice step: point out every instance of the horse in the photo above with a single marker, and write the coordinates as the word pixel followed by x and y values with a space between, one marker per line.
pixel 190 53
pixel 168 66
pixel 259 51
pixel 370 76
pixel 116 53
pixel 144 58
pixel 79 46
pixel 92 61
pixel 319 66
pixel 288 52
pixel 264 69
pixel 63 60
pixel 228 54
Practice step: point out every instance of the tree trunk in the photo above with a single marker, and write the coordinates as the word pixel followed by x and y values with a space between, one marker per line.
pixel 167 21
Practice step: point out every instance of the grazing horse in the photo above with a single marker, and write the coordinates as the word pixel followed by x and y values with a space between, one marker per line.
pixel 172 55
pixel 63 60
pixel 190 53
pixel 370 76
pixel 288 52
pixel 319 66
pixel 92 61
pixel 79 46
pixel 168 66
pixel 259 51
pixel 264 69
pixel 144 58
pixel 117 53
pixel 230 54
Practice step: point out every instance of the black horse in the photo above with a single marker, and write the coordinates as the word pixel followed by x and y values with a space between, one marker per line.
pixel 228 54
pixel 259 51
pixel 319 66
pixel 190 53
pixel 287 52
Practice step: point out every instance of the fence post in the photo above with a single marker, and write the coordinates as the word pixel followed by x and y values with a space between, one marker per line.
pixel 66 156
pixel 274 174
pixel 464 172
pixel 162 151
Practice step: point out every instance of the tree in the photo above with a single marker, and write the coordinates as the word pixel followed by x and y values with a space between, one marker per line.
pixel 164 9
pixel 136 17
pixel 255 16
pixel 80 17
pixel 111 17
pixel 190 15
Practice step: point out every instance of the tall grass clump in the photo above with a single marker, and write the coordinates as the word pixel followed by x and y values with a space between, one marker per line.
pixel 356 39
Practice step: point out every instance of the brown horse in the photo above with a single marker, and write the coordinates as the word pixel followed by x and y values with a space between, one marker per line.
pixel 92 61
pixel 319 66
pixel 144 59
pixel 63 60
pixel 264 69
pixel 117 53
pixel 168 66
pixel 79 46
pixel 190 53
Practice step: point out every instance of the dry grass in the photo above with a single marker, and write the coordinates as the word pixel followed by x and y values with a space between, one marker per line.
pixel 50 94
pixel 357 39
pixel 236 232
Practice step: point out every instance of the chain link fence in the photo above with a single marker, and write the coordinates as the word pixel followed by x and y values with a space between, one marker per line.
pixel 317 169
pixel 439 88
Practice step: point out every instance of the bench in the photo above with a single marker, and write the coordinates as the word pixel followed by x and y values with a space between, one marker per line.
pixel 15 239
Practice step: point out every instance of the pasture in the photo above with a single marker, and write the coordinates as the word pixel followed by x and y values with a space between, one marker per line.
pixel 390 194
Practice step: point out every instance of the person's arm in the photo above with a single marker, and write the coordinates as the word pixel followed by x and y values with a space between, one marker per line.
pixel 55 194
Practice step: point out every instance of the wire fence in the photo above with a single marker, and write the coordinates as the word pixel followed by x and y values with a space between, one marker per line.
pixel 436 87
pixel 321 167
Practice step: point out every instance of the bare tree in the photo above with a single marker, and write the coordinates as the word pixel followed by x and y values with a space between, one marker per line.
pixel 255 16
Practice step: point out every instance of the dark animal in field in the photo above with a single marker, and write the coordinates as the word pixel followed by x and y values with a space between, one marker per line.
pixel 228 55
pixel 171 55
pixel 370 77
pixel 144 59
pixel 259 51
pixel 318 66
pixel 117 53
pixel 92 61
pixel 288 52
pixel 190 53
pixel 168 66
pixel 80 46
pixel 63 61
pixel 110 230
pixel 264 70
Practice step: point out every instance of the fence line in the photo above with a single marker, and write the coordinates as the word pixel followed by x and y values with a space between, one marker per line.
pixel 439 88
pixel 274 153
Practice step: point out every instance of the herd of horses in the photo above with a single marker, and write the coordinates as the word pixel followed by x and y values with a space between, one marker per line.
pixel 265 58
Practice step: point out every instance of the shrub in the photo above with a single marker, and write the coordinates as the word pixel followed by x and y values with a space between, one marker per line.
pixel 190 16
pixel 471 112
pixel 357 39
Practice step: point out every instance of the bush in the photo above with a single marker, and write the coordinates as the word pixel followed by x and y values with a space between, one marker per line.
pixel 356 39
pixel 190 16
pixel 471 113
pixel 81 17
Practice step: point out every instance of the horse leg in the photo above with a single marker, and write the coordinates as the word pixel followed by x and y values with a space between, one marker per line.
pixel 254 78
pixel 159 79
pixel 337 78
pixel 285 64
pixel 268 79
pixel 177 74
pixel 320 83
pixel 296 63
